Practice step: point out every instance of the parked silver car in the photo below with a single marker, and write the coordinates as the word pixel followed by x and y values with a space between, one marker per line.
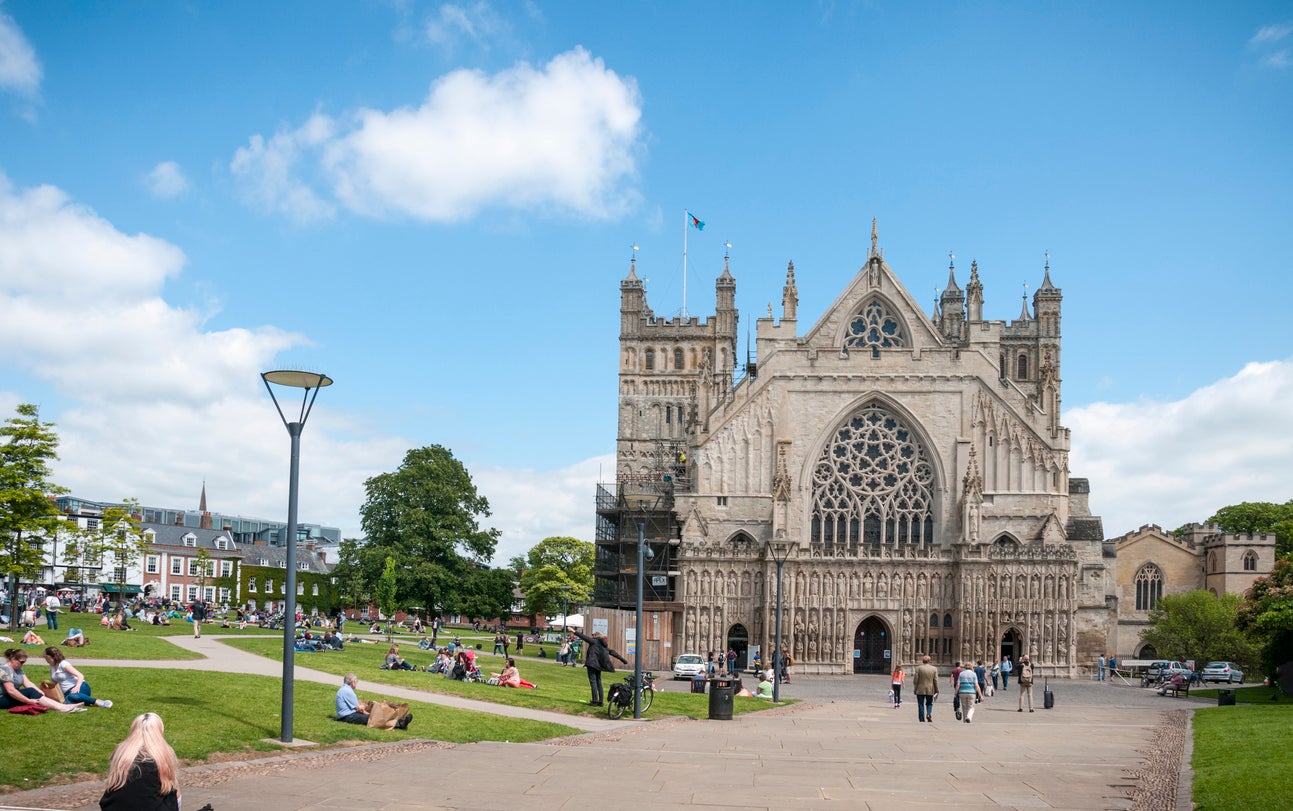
pixel 1223 671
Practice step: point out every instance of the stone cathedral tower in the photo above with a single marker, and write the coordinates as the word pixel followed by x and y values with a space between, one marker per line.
pixel 911 470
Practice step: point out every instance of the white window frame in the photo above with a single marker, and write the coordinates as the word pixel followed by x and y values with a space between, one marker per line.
pixel 152 564
pixel 251 585
pixel 192 592
pixel 177 565
pixel 176 590
pixel 226 568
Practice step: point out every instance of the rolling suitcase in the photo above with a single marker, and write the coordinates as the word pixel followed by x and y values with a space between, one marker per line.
pixel 1048 698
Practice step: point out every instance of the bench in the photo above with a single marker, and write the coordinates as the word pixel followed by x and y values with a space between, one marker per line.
pixel 1178 691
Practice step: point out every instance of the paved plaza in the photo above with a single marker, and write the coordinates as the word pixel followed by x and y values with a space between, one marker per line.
pixel 841 747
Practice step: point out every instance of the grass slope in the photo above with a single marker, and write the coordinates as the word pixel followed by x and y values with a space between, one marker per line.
pixel 1243 755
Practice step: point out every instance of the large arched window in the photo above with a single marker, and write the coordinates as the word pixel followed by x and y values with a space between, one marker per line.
pixel 1149 587
pixel 873 484
pixel 875 327
pixel 1250 561
pixel 1023 367
pixel 677 359
pixel 649 357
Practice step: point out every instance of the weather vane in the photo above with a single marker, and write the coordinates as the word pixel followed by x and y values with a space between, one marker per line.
pixel 951 259
pixel 728 247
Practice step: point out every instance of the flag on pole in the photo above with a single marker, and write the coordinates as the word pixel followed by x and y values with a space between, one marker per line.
pixel 696 222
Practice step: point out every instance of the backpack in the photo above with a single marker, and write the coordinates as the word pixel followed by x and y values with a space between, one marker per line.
pixel 1026 674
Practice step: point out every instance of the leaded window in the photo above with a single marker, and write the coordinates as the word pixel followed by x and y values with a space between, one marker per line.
pixel 875 328
pixel 1250 561
pixel 1149 587
pixel 873 484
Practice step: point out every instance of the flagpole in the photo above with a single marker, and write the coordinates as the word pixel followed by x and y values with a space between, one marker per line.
pixel 686 223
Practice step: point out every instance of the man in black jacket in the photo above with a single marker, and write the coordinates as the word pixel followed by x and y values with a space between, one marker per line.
pixel 597 658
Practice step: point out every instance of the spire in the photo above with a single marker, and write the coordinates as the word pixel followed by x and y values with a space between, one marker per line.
pixel 951 275
pixel 1046 276
pixel 1023 314
pixel 974 293
pixel 789 294
pixel 202 502
pixel 633 270
pixel 205 521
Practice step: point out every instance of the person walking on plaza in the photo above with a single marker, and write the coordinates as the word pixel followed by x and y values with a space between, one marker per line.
pixel 1025 682
pixel 981 673
pixel 1007 667
pixel 925 684
pixel 895 682
pixel 52 607
pixel 956 692
pixel 199 614
pixel 1099 671
pixel 143 772
pixel 996 676
pixel 967 690
pixel 597 658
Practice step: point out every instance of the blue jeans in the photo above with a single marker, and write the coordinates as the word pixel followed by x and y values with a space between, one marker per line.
pixel 80 697
pixel 51 620
pixel 925 707
pixel 1005 680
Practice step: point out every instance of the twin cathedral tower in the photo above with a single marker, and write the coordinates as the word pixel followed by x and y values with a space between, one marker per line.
pixel 909 469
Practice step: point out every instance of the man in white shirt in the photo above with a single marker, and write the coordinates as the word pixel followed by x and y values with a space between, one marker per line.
pixel 52 606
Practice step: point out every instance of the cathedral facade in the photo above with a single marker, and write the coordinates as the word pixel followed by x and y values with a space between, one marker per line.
pixel 909 471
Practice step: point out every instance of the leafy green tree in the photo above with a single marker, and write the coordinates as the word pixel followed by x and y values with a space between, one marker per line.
pixel 1200 626
pixel 204 562
pixel 1259 516
pixel 27 514
pixel 386 595
pixel 1267 614
pixel 121 542
pixel 559 574
pixel 424 515
pixel 485 594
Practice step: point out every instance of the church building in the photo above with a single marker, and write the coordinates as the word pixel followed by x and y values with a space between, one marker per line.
pixel 908 470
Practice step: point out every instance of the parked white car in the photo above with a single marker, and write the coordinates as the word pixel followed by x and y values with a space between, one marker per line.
pixel 689 666
pixel 1223 671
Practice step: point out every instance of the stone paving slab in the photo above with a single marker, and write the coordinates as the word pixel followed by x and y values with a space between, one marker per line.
pixel 847 749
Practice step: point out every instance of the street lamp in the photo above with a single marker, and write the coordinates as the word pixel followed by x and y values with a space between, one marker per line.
pixel 311 382
pixel 644 553
pixel 780 551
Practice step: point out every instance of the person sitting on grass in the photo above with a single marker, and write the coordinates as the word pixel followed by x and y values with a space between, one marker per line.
pixel 443 661
pixel 394 661
pixel 511 677
pixel 16 690
pixel 424 644
pixel 351 711
pixel 74 686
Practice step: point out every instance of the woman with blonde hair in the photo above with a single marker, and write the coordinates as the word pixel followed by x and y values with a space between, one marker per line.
pixel 144 772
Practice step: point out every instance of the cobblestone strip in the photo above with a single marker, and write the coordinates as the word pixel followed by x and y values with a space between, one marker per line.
pixel 1157 783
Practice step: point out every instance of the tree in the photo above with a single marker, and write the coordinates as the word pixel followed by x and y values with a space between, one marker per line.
pixel 1258 517
pixel 121 541
pixel 1267 614
pixel 559 574
pixel 204 563
pixel 424 515
pixel 27 513
pixel 1200 626
pixel 386 594
pixel 484 594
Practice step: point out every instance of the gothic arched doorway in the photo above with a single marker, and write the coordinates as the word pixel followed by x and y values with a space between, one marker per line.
pixel 1012 644
pixel 738 639
pixel 871 646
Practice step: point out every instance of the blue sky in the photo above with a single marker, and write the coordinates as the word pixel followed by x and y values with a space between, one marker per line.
pixel 434 203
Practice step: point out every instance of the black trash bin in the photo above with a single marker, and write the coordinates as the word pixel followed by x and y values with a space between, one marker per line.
pixel 720 700
pixel 1225 698
pixel 698 685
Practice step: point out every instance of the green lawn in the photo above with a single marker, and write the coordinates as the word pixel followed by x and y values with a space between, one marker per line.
pixel 561 689
pixel 1243 755
pixel 207 712
pixel 144 642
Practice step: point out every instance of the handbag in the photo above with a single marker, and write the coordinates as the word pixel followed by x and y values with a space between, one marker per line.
pixel 53 691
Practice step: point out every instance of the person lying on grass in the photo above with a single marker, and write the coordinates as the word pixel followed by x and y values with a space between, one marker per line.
pixel 511 677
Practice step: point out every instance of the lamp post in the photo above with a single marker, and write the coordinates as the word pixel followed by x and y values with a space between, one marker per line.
pixel 311 382
pixel 637 634
pixel 780 551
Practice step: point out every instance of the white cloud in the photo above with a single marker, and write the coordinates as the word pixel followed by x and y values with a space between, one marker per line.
pixel 20 70
pixel 1271 33
pixel 158 402
pixel 267 171
pixel 1280 59
pixel 530 505
pixel 167 181
pixel 563 137
pixel 452 22
pixel 1169 463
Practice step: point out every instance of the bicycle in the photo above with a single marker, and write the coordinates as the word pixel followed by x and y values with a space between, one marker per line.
pixel 620 697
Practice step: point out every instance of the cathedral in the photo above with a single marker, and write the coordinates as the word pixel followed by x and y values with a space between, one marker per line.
pixel 897 481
